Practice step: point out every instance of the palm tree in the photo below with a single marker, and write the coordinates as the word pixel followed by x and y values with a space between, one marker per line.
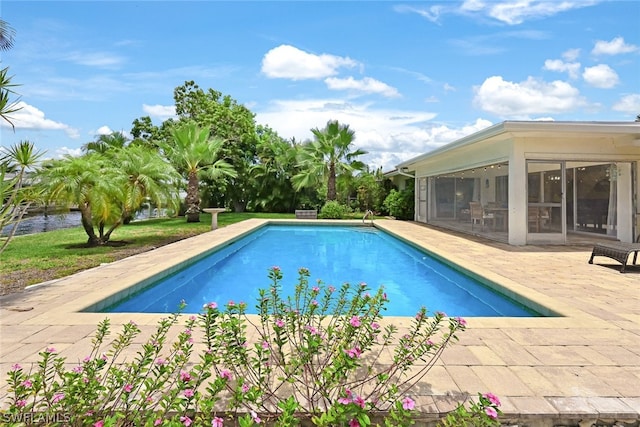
pixel 145 176
pixel 7 35
pixel 327 156
pixel 87 182
pixel 104 143
pixel 195 154
pixel 16 161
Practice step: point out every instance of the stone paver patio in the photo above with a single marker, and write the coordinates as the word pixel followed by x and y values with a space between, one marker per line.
pixel 581 365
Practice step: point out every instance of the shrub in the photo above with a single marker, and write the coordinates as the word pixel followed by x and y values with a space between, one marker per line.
pixel 309 356
pixel 400 204
pixel 333 210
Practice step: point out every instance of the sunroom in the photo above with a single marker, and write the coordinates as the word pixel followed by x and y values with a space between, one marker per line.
pixel 533 182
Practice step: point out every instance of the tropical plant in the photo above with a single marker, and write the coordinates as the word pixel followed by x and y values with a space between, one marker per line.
pixel 333 210
pixel 106 143
pixel 15 163
pixel 108 188
pixel 234 125
pixel 7 35
pixel 326 157
pixel 401 204
pixel 276 156
pixel 195 154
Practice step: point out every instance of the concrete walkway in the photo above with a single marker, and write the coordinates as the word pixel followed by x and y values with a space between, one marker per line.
pixel 581 365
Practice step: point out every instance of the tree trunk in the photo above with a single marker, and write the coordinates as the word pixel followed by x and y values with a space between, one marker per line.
pixel 331 184
pixel 193 198
pixel 87 224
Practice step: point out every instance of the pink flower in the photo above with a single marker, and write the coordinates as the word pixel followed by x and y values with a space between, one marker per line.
pixel 354 423
pixel 57 397
pixel 226 374
pixel 408 403
pixel 331 289
pixel 492 398
pixel 359 401
pixel 354 352
pixel 245 388
pixel 315 289
pixel 16 367
pixel 491 412
pixel 157 422
pixel 314 302
pixel 50 350
pixel 21 403
pixel 87 359
pixel 217 422
pixel 279 323
pixel 160 361
pixel 98 424
pixel 355 321
pixel 186 421
pixel 461 321
pixel 211 305
pixel 231 303
pixel 265 345
pixel 127 388
pixel 77 369
pixel 344 400
pixel 375 326
pixel 26 384
pixel 256 418
pixel 188 393
pixel 185 376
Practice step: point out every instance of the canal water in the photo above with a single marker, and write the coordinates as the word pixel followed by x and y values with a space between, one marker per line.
pixel 41 223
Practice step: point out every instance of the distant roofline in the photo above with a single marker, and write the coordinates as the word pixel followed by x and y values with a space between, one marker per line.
pixel 528 126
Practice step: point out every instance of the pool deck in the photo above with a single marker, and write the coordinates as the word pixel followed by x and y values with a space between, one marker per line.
pixel 581 366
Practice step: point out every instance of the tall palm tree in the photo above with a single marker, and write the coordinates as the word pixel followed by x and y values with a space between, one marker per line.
pixel 327 156
pixel 195 154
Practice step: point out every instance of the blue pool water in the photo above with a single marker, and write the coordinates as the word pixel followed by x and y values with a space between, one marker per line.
pixel 333 254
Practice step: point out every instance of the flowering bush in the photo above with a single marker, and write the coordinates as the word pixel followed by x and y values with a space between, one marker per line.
pixel 310 356
pixel 483 413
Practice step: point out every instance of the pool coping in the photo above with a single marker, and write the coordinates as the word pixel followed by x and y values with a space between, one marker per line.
pixel 527 353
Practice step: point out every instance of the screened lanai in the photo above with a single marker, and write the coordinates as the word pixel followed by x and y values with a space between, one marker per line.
pixel 534 182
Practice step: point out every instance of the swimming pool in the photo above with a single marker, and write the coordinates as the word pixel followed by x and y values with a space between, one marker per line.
pixel 333 254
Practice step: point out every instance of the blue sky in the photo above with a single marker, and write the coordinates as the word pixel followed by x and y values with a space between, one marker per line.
pixel 407 76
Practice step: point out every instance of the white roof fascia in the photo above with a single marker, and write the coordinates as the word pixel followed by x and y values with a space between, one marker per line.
pixel 530 127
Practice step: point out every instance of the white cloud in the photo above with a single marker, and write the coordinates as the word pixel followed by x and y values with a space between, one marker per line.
pixel 508 12
pixel 63 151
pixel 531 97
pixel 600 76
pixel 614 47
pixel 96 59
pixel 29 117
pixel 571 55
pixel 366 85
pixel 572 68
pixel 516 12
pixel 289 62
pixel 161 112
pixel 103 130
pixel 628 104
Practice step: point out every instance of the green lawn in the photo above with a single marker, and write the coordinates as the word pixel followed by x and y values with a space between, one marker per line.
pixel 45 256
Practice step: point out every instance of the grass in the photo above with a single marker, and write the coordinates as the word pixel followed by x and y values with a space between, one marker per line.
pixel 40 257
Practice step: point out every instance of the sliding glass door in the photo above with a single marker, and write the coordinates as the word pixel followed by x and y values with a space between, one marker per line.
pixel 546 209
